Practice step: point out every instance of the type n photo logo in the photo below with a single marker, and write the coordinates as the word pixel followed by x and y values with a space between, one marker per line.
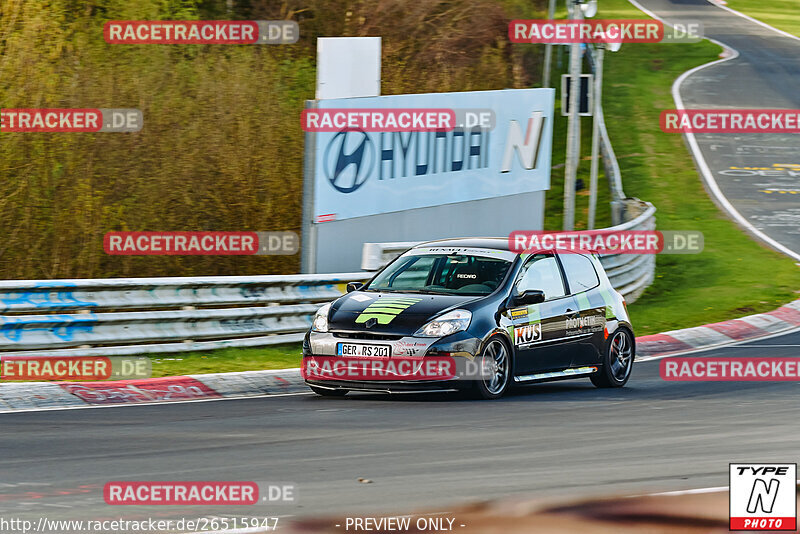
pixel 763 497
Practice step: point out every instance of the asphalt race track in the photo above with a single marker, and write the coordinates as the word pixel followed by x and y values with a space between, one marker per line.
pixel 428 451
pixel 433 451
pixel 757 173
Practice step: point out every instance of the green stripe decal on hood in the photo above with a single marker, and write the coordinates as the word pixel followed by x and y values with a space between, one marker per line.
pixel 386 309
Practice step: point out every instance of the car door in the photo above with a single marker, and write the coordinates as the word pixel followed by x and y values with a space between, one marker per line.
pixel 586 324
pixel 538 329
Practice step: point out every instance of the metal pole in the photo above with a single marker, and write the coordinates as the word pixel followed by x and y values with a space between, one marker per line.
pixel 571 167
pixel 598 88
pixel 308 243
pixel 548 48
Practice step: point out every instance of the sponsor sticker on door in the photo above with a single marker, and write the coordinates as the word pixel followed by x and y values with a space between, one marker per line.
pixel 528 333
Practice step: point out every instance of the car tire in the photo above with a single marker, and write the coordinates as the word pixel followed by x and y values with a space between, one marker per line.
pixel 325 392
pixel 618 356
pixel 498 356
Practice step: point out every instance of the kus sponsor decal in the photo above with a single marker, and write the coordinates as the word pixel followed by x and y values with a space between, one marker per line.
pixel 526 334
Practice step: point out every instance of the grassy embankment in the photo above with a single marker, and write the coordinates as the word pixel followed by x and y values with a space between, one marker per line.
pixel 783 14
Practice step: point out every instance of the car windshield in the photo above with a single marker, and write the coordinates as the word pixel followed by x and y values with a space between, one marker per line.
pixel 450 274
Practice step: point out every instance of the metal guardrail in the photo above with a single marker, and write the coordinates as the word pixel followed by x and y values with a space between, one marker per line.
pixel 630 274
pixel 127 293
pixel 160 315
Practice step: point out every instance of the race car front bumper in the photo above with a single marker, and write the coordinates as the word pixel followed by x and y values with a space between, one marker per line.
pixel 459 349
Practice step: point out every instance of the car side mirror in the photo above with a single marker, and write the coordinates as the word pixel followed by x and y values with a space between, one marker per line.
pixel 530 296
pixel 354 286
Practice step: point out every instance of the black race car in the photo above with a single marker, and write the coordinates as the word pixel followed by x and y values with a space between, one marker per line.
pixel 511 318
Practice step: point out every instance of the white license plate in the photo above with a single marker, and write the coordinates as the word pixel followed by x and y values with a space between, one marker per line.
pixel 366 351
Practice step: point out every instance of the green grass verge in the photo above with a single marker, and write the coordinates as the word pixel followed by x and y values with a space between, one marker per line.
pixel 783 14
pixel 227 360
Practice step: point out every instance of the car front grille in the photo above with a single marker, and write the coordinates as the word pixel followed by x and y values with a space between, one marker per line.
pixel 365 335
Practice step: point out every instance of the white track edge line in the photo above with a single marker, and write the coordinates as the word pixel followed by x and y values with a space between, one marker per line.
pixel 754 20
pixel 704 169
pixel 157 403
pixel 688 491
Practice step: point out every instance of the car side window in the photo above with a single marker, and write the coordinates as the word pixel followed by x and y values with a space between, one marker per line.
pixel 541 272
pixel 580 272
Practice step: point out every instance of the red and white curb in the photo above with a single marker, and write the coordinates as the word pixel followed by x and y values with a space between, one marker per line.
pixel 38 396
pixel 783 319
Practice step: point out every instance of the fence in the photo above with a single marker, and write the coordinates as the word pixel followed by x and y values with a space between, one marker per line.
pixel 160 315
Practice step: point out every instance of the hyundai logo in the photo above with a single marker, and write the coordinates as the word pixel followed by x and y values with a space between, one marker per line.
pixel 349 157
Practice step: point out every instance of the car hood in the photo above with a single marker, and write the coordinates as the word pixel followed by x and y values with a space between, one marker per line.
pixel 389 313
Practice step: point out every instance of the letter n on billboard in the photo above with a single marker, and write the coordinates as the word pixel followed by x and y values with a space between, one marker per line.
pixel 527 149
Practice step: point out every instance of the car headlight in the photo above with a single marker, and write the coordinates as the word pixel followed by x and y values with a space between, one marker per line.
pixel 444 325
pixel 320 323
